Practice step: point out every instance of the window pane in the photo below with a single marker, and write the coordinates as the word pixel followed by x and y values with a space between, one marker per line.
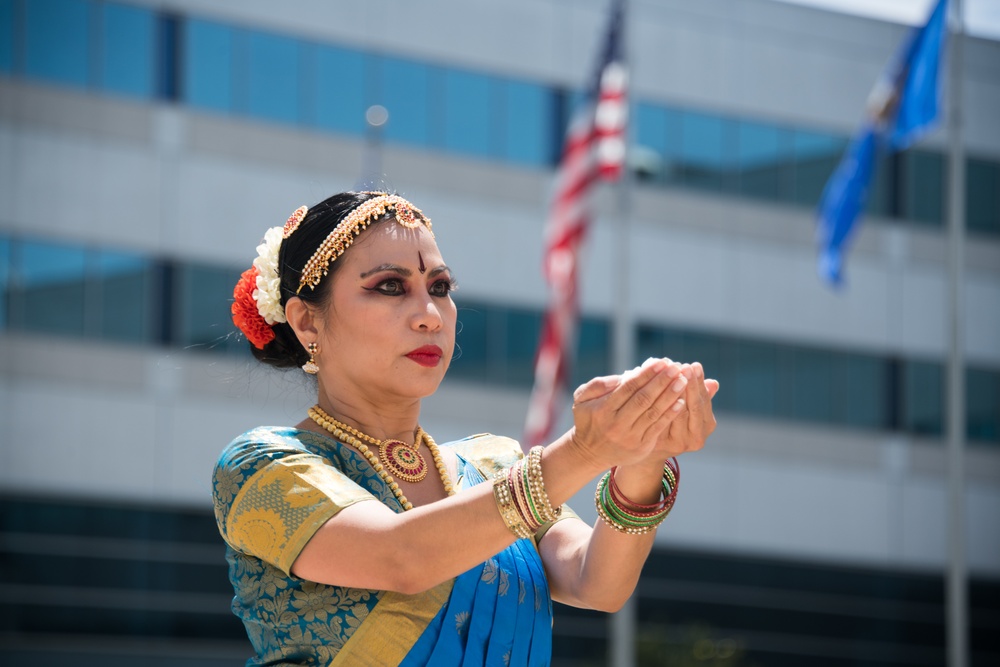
pixel 56 33
pixel 863 391
pixel 122 284
pixel 923 397
pixel 593 351
pixel 705 151
pixel 881 191
pixel 529 123
pixel 469 101
pixel 982 391
pixel 816 156
pixel 924 187
pixel 471 343
pixel 204 296
pixel 273 77
pixel 340 90
pixel 405 92
pixel 6 35
pixel 754 378
pixel 208 65
pixel 127 47
pixel 47 288
pixel 811 386
pixel 650 144
pixel 4 280
pixel 982 192
pixel 764 160
pixel 523 328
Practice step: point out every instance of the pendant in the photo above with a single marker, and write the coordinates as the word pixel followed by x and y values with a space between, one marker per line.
pixel 402 460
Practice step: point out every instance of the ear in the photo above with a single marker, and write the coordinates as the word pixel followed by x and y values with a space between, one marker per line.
pixel 304 320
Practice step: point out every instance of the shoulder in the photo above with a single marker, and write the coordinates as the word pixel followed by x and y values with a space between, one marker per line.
pixel 262 443
pixel 489 453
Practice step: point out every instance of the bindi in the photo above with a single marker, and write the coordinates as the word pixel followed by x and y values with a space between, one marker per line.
pixel 422 268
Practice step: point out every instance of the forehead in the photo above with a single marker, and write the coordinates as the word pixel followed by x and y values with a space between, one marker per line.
pixel 390 242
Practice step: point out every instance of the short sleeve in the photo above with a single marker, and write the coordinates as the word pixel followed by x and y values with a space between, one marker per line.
pixel 271 497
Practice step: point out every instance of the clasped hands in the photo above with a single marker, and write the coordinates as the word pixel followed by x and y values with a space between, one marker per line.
pixel 644 416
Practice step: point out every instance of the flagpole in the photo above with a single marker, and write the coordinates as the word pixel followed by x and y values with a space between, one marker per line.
pixel 956 585
pixel 623 622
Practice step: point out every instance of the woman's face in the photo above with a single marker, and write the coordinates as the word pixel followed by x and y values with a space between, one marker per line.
pixel 389 329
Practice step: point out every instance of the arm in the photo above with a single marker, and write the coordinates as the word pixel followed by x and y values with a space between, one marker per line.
pixel 598 567
pixel 367 545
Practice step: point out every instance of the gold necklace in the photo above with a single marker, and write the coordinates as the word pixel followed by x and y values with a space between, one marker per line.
pixel 403 461
pixel 337 429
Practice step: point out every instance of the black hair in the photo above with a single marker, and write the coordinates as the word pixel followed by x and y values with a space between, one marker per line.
pixel 285 351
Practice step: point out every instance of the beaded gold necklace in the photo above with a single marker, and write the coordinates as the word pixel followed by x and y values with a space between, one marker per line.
pixel 354 437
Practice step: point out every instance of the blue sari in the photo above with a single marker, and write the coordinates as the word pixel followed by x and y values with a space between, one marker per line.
pixel 275 487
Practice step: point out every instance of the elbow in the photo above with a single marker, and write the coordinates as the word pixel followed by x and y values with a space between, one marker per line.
pixel 608 601
pixel 410 577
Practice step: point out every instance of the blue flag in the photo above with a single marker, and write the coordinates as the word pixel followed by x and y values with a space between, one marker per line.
pixel 902 107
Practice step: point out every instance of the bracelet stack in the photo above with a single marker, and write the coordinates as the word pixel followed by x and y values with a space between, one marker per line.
pixel 521 498
pixel 625 516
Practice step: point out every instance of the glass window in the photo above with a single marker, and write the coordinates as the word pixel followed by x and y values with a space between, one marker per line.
pixel 706 151
pixel 593 351
pixel 808 386
pixel 816 156
pixel 923 187
pixel 471 341
pixel 6 36
pixel 208 65
pixel 122 285
pixel 982 393
pixel 982 195
pixel 404 91
pixel 923 397
pixel 340 88
pixel 127 47
pixel 529 123
pixel 47 288
pixel 4 280
pixel 863 391
pixel 650 142
pixel 168 63
pixel 882 191
pixel 272 77
pixel 56 40
pixel 765 160
pixel 753 377
pixel 522 331
pixel 468 121
pixel 203 297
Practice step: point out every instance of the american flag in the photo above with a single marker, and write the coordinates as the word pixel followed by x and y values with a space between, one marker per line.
pixel 594 150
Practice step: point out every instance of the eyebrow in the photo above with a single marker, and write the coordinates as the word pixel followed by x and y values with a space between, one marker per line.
pixel 402 270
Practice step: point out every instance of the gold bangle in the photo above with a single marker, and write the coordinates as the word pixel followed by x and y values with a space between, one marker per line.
pixel 511 517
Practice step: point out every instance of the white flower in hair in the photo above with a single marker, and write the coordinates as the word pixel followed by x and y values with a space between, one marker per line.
pixel 268 292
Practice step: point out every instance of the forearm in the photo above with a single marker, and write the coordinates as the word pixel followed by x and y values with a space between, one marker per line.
pixel 599 568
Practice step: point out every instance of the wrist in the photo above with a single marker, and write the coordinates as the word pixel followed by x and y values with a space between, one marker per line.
pixel 642 482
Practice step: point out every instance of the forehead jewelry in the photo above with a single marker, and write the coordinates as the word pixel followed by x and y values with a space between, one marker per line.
pixel 343 235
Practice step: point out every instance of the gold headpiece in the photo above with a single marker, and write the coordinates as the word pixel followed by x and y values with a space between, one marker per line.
pixel 343 235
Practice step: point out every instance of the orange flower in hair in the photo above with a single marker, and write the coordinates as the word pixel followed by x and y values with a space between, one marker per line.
pixel 246 316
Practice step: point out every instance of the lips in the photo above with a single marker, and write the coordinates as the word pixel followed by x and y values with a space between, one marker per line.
pixel 428 355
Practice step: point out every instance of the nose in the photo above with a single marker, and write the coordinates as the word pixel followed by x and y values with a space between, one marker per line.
pixel 427 316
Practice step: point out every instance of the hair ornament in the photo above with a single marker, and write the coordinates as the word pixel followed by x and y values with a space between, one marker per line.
pixel 294 220
pixel 257 296
pixel 343 235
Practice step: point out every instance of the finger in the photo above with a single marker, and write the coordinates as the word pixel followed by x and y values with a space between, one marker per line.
pixel 650 403
pixel 665 421
pixel 712 387
pixel 637 379
pixel 595 388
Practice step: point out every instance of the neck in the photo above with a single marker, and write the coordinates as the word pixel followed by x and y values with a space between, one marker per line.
pixel 395 420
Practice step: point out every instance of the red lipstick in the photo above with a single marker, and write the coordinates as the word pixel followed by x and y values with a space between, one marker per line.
pixel 428 355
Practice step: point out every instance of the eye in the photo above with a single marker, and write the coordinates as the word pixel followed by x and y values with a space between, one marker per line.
pixel 442 287
pixel 390 287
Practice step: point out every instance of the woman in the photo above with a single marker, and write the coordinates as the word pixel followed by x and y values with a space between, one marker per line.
pixel 458 561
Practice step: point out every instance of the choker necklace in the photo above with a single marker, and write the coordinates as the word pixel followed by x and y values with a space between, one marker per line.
pixel 401 459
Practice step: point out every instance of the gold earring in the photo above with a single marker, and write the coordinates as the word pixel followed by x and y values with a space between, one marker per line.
pixel 310 366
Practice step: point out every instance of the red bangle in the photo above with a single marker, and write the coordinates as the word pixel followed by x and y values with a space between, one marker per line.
pixel 623 501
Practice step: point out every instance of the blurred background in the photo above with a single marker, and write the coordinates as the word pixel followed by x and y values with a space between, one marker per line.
pixel 146 145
